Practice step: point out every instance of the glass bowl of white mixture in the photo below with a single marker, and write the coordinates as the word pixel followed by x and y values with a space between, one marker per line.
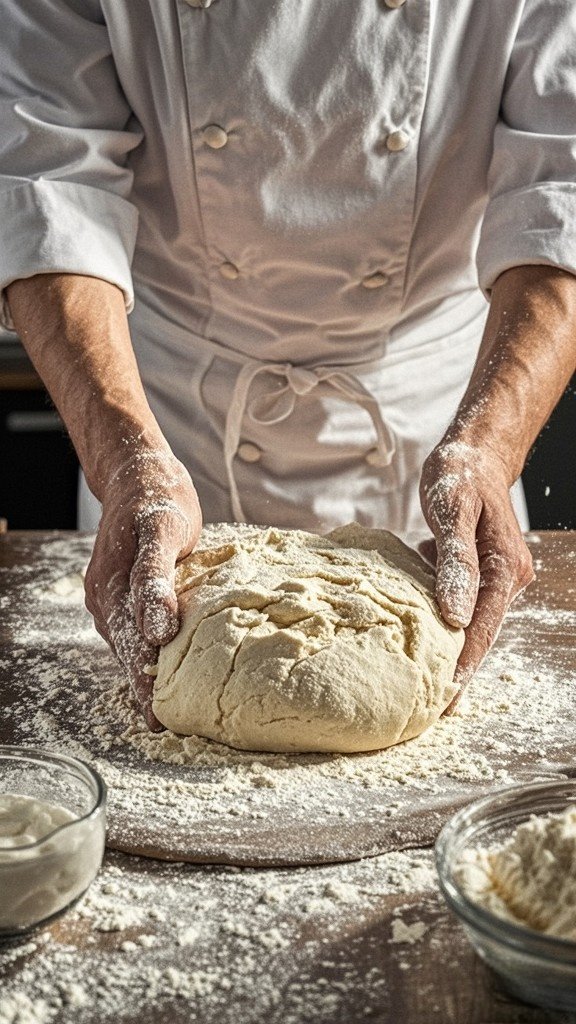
pixel 52 831
pixel 507 868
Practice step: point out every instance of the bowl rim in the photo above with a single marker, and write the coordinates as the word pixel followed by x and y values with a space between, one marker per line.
pixel 39 754
pixel 521 937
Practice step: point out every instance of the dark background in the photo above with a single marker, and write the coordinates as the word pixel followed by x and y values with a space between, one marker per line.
pixel 39 470
pixel 550 473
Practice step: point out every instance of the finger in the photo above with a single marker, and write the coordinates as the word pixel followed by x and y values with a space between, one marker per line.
pixel 103 632
pixel 155 604
pixel 106 578
pixel 142 684
pixel 100 625
pixel 457 572
pixel 151 721
pixel 494 597
pixel 453 510
pixel 135 656
pixel 162 539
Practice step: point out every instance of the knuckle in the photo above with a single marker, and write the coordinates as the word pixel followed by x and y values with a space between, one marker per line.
pixel 159 529
pixel 455 512
pixel 161 514
pixel 458 559
pixel 150 579
pixel 154 589
pixel 510 569
pixel 499 564
pixel 457 565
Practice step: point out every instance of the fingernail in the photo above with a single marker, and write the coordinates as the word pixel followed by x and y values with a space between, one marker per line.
pixel 457 614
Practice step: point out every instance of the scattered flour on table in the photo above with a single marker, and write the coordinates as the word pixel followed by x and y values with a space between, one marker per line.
pixel 410 933
pixel 68 588
pixel 530 879
pixel 197 943
pixel 235 953
pixel 518 720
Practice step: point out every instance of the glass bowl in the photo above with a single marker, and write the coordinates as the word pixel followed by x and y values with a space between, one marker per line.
pixel 532 966
pixel 64 799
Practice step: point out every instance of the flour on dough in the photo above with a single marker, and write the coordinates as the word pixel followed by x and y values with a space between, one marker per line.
pixel 294 642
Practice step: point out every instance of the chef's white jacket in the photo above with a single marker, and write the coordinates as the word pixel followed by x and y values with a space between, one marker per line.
pixel 305 202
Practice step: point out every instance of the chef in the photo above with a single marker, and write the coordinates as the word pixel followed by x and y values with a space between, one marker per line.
pixel 296 263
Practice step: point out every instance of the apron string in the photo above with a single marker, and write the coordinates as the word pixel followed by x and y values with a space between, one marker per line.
pixel 280 405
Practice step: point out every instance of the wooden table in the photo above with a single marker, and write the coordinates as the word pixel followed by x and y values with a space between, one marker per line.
pixel 295 945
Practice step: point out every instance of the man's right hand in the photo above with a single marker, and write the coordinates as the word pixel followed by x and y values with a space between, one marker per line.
pixel 75 330
pixel 151 518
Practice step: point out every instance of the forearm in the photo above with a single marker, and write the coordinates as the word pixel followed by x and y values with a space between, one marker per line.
pixel 527 356
pixel 75 330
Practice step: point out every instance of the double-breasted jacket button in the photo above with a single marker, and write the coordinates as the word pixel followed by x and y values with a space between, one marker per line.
pixel 376 280
pixel 229 271
pixel 249 452
pixel 214 136
pixel 376 458
pixel 397 141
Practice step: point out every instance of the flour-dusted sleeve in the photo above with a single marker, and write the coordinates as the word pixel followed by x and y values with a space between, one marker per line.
pixel 65 132
pixel 531 214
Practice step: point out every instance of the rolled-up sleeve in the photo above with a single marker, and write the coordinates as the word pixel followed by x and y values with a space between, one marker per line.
pixel 531 213
pixel 66 130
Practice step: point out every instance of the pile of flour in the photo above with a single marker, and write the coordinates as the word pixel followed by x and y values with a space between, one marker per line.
pixel 530 879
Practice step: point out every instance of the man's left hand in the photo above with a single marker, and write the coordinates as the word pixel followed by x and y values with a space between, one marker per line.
pixel 482 561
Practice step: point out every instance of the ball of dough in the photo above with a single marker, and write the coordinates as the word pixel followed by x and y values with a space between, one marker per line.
pixel 294 642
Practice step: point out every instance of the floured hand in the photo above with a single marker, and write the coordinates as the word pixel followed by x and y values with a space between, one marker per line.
pixel 151 518
pixel 482 561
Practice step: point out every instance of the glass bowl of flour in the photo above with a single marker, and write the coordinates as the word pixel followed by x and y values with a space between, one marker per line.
pixel 52 831
pixel 507 868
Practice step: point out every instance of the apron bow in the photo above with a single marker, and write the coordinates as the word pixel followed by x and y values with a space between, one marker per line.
pixel 279 404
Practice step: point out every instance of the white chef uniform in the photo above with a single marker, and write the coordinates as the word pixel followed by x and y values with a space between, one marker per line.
pixel 309 200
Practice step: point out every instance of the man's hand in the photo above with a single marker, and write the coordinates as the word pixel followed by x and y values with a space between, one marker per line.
pixel 526 358
pixel 76 332
pixel 150 519
pixel 482 561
